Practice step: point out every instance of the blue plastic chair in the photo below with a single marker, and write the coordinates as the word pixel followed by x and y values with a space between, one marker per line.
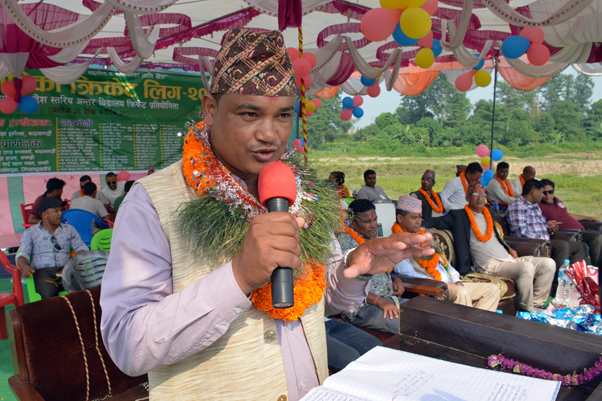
pixel 82 220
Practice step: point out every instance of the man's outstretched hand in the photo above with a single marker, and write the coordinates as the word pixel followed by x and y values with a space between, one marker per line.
pixel 382 254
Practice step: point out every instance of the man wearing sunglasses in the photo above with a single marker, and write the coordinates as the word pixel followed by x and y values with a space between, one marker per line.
pixel 46 248
pixel 113 190
pixel 554 210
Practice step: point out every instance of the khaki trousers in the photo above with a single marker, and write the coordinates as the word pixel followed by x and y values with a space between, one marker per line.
pixel 480 295
pixel 533 277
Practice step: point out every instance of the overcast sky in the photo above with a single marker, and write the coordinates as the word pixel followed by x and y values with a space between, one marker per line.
pixel 389 101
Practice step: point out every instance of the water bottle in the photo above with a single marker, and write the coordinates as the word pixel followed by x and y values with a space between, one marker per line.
pixel 563 292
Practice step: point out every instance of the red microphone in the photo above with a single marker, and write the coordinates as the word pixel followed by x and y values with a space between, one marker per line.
pixel 277 189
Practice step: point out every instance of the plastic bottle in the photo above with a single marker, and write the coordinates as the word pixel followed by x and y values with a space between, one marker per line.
pixel 563 292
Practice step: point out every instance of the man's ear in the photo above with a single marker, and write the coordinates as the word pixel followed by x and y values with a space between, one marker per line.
pixel 209 108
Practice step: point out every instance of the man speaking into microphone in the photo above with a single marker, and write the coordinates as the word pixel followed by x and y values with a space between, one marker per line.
pixel 185 295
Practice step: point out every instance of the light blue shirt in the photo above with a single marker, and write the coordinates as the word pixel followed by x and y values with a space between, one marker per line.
pixel 405 268
pixel 40 252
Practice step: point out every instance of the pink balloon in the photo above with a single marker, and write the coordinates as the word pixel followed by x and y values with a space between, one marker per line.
pixel 8 105
pixel 311 58
pixel 426 41
pixel 309 113
pixel 482 151
pixel 374 90
pixel 430 6
pixel 302 67
pixel 538 54
pixel 533 33
pixel 317 102
pixel 8 88
pixel 293 53
pixel 485 168
pixel 123 176
pixel 28 85
pixel 346 114
pixel 358 101
pixel 379 23
pixel 464 81
pixel 297 143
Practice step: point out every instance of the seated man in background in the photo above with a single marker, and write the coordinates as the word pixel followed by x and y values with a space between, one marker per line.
pixel 528 174
pixel 480 295
pixel 90 204
pixel 126 189
pixel 113 190
pixel 46 248
pixel 553 209
pixel 380 310
pixel 525 220
pixel 479 247
pixel 431 203
pixel 500 189
pixel 371 191
pixel 80 192
pixel 453 195
pixel 54 189
pixel 345 343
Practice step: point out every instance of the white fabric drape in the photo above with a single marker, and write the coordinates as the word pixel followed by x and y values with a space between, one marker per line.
pixel 586 28
pixel 552 12
pixel 68 54
pixel 594 69
pixel 67 74
pixel 366 69
pixel 123 67
pixel 457 36
pixel 79 32
pixel 14 62
pixel 141 7
pixel 469 60
pixel 144 46
pixel 270 7
pixel 3 71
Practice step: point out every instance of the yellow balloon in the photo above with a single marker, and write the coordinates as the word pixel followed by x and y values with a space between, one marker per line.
pixel 485 161
pixel 482 78
pixel 310 106
pixel 413 3
pixel 392 4
pixel 415 22
pixel 425 58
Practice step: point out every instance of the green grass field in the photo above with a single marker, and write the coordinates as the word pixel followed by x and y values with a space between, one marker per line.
pixel 578 177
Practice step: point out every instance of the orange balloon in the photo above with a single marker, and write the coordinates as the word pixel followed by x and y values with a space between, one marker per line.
pixel 538 54
pixel 534 34
pixel 327 93
pixel 379 23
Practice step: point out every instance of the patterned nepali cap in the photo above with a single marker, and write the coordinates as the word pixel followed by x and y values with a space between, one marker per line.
pixel 253 63
pixel 409 204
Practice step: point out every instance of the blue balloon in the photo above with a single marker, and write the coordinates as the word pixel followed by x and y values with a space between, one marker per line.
pixel 436 47
pixel 481 63
pixel 497 155
pixel 367 81
pixel 28 104
pixel 515 46
pixel 401 37
pixel 358 112
pixel 347 103
pixel 486 177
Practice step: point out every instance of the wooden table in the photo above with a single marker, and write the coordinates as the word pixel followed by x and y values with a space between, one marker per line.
pixel 469 336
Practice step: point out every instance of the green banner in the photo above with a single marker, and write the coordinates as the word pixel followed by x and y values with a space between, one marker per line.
pixel 104 121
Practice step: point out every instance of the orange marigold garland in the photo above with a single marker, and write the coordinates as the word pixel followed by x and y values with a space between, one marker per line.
pixel 522 180
pixel 475 228
pixel 438 208
pixel 358 238
pixel 429 262
pixel 505 186
pixel 464 182
pixel 212 180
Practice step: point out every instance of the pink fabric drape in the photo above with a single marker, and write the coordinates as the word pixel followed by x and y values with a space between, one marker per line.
pixel 290 13
pixel 345 70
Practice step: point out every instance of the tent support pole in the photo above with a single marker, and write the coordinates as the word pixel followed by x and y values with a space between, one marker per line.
pixel 495 63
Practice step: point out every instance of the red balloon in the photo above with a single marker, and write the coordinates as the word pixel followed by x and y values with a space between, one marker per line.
pixel 306 81
pixel 379 23
pixel 28 85
pixel 311 58
pixel 302 67
pixel 8 105
pixel 8 88
pixel 293 53
pixel 358 101
pixel 297 143
pixel 430 6
pixel 533 33
pixel 317 102
pixel 346 114
pixel 426 41
pixel 374 90
pixel 464 81
pixel 538 54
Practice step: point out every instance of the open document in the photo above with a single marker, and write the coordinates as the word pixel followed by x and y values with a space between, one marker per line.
pixel 387 374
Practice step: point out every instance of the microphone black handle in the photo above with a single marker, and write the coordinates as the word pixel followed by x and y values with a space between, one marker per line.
pixel 283 294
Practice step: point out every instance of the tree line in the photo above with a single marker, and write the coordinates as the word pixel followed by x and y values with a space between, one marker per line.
pixel 554 115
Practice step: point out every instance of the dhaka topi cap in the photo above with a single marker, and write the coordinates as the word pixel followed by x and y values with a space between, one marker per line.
pixel 50 203
pixel 409 204
pixel 253 63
